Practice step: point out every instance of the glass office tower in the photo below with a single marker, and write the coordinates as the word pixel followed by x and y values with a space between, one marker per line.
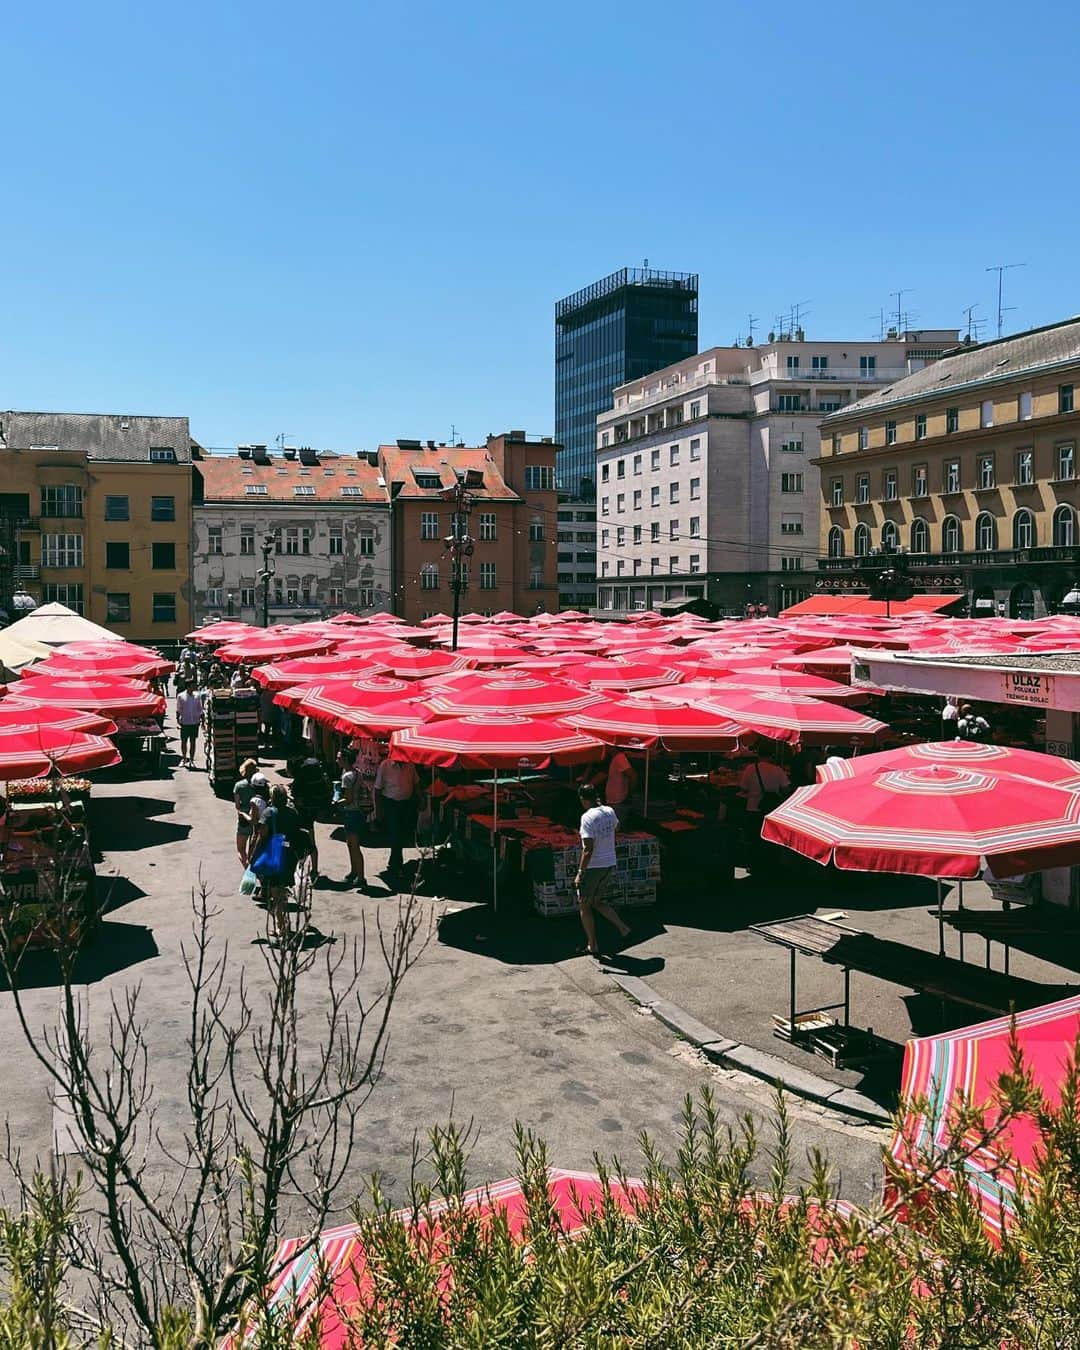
pixel 631 323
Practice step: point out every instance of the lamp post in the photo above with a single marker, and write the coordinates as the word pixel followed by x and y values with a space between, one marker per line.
pixel 229 605
pixel 268 570
pixel 892 582
pixel 459 542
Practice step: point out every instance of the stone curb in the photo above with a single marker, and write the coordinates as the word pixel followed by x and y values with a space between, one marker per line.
pixel 732 1054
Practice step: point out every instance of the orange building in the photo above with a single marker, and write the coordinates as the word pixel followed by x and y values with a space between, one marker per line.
pixel 512 522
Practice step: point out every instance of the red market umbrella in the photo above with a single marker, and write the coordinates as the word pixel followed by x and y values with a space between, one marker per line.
pixel 225 631
pixel 418 663
pixel 995 759
pixel 312 669
pixel 389 714
pixel 127 667
pixel 318 1286
pixel 491 653
pixel 942 1074
pixel 648 724
pixel 495 742
pixel 833 663
pixel 619 675
pixel 110 697
pixel 934 821
pixel 529 698
pixel 794 682
pixel 15 712
pixel 89 649
pixel 341 700
pixel 266 646
pixel 36 750
pixel 798 719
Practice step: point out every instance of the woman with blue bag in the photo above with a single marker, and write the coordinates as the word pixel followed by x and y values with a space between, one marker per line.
pixel 281 843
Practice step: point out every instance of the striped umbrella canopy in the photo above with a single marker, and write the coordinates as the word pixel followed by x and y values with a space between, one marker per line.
pixel 127 667
pixel 832 662
pixel 501 653
pixel 794 682
pixel 225 631
pixel 798 718
pixel 34 750
pixel 16 711
pixel 625 675
pixel 649 723
pixel 317 1286
pixel 528 698
pixel 495 742
pixel 934 820
pixel 268 645
pixel 110 697
pixel 317 669
pixel 340 699
pixel 994 759
pixel 963 1067
pixel 88 650
pixel 418 663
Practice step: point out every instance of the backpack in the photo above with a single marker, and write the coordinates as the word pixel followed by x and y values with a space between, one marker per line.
pixel 770 799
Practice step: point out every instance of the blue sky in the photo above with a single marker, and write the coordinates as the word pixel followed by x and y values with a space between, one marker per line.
pixel 347 223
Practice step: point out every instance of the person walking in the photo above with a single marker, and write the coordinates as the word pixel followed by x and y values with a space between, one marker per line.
pixel 278 817
pixel 352 816
pixel 596 870
pixel 949 714
pixel 763 786
pixel 243 791
pixel 395 793
pixel 189 714
pixel 970 726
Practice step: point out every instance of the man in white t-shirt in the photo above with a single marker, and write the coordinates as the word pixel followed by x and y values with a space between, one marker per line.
pixel 596 871
pixel 395 803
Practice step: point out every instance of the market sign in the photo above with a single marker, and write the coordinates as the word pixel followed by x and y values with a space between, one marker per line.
pixel 1024 686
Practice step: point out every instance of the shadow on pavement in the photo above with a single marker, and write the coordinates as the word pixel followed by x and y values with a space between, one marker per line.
pixel 136 825
pixel 519 937
pixel 115 892
pixel 115 947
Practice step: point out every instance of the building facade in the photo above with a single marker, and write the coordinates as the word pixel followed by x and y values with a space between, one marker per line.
pixel 576 556
pixel 708 482
pixel 966 472
pixel 97 512
pixel 512 522
pixel 329 519
pixel 620 328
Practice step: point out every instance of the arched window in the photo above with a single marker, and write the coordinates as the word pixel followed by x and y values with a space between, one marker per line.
pixel 1065 527
pixel 1023 529
pixel 920 536
pixel 950 535
pixel 985 532
pixel 890 535
pixel 836 542
pixel 862 540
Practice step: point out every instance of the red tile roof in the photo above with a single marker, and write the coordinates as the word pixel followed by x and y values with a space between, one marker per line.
pixel 399 465
pixel 226 478
pixel 862 606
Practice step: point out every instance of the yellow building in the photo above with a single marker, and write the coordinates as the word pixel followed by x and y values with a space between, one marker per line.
pixel 968 470
pixel 97 515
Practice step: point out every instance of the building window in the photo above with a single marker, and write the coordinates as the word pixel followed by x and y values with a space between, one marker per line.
pixel 162 454
pixel 214 539
pixel 1066 462
pixel 605 537
pixel 306 535
pixel 695 448
pixel 164 609
pixel 673 562
pixel 536 531
pixel 952 419
pixel 836 489
pixel 637 465
pixel 673 529
pixel 61 550
pixel 890 433
pixel 336 595
pixel 163 557
pixel 791 523
pixel 68 593
pixel 539 478
pixel 247 597
pixel 920 536
pixel 654 459
pixel 1025 468
pixel 1065 398
pixel 1064 527
pixel 862 489
pixel 620 469
pixel 789 563
pixel 620 536
pixel 819 363
pixel 337 540
pixel 867 365
pixel 695 527
pixel 213 597
pixel 66 499
pixel 1023 407
pixel 164 508
pixel 620 503
pixel 986 471
pixel 695 562
pixel 605 438
pixel 673 493
pixel 864 438
pixel 654 531
pixel 791 482
pixel 117 556
pixel 367 597
pixel 919 482
pixel 837 443
pixel 836 542
pixel 536 578
pixel 247 539
pixel 637 499
pixel 292 540
pixel 920 426
pixel 604 568
pixel 792 364
pixel 605 473
pixel 654 496
pixel 118 607
pixel 673 456
pixel 695 409
pixel 637 534
pixel 862 540
pixel 116 508
pixel 255 489
pixel 951 481
pixel 890 537
pixel 695 489
pixel 950 535
pixel 429 577
pixel 429 525
pixel 604 505
pixel 986 412
pixel 365 542
pixel 890 485
pixel 303 490
pixel 1023 529
pixel 793 447
pixel 789 403
pixel 985 532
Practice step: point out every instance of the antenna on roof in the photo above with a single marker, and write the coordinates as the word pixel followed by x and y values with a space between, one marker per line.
pixel 1002 310
pixel 897 295
pixel 880 316
pixel 972 322
pixel 751 320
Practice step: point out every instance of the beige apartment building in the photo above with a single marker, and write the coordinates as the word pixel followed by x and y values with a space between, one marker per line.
pixel 967 471
pixel 707 479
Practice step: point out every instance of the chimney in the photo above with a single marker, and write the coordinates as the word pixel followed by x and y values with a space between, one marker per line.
pixel 289 452
pixel 244 451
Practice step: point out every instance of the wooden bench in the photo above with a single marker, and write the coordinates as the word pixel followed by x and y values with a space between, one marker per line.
pixel 1005 926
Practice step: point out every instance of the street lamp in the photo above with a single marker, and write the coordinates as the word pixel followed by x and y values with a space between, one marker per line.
pixel 459 542
pixel 268 569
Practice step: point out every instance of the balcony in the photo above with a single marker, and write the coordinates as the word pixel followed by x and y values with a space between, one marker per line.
pixel 26 572
pixel 850 374
pixel 916 562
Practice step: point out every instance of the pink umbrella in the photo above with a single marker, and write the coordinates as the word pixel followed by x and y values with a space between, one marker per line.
pixel 650 723
pixel 793 682
pixel 313 669
pixel 267 646
pixel 796 718
pixel 109 697
pixel 15 712
pixel 995 759
pixel 34 750
pixel 341 700
pixel 414 663
pixel 529 698
pixel 620 675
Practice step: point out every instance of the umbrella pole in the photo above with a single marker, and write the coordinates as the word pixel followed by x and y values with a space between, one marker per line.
pixel 940 918
pixel 645 808
pixel 495 847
